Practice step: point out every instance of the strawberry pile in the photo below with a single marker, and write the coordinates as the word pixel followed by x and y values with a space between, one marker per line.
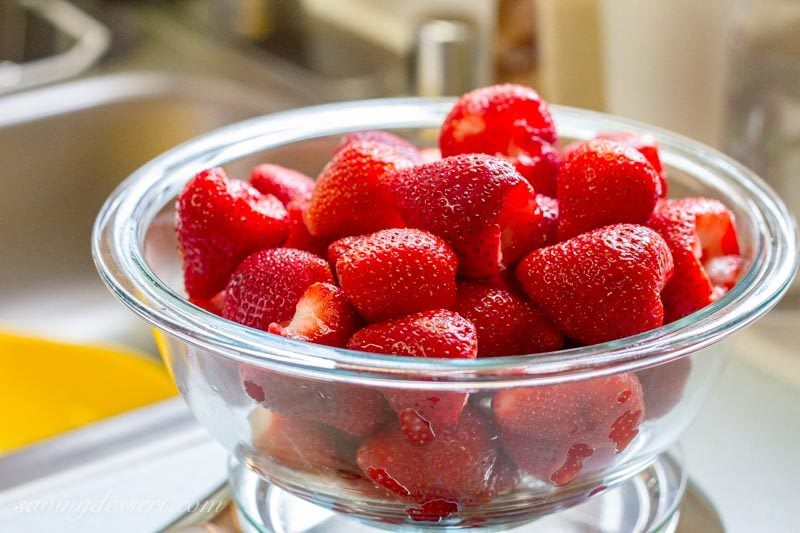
pixel 505 245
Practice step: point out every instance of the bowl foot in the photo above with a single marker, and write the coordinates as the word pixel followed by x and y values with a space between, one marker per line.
pixel 648 502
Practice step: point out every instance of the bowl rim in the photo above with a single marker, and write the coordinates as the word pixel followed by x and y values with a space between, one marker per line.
pixel 119 232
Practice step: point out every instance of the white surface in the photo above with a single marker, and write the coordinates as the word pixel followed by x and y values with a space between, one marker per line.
pixel 742 449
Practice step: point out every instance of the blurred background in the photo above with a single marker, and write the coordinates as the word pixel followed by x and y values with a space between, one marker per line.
pixel 92 89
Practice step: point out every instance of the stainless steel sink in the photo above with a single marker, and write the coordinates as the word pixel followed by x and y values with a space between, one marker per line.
pixel 63 149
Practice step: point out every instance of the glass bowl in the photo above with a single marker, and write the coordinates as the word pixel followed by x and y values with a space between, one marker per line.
pixel 301 419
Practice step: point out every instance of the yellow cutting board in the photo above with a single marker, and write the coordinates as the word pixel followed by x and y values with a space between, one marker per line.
pixel 48 387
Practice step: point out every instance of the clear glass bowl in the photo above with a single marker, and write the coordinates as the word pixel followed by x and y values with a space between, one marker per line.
pixel 239 382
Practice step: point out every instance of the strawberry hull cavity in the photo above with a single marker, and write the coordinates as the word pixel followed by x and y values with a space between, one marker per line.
pixel 495 244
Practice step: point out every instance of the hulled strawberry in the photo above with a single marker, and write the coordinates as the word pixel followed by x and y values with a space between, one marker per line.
pixel 396 272
pixel 550 431
pixel 546 219
pixel 266 287
pixel 460 466
pixel 646 144
pixel 219 222
pixel 438 333
pixel 353 409
pixel 400 145
pixel 351 196
pixel 323 315
pixel 486 120
pixel 479 204
pixel 299 236
pixel 283 183
pixel 697 230
pixel 601 285
pixel 537 161
pixel 505 323
pixel 604 182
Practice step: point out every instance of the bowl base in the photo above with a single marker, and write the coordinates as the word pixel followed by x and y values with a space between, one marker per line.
pixel 648 502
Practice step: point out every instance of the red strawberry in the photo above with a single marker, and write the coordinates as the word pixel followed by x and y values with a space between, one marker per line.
pixel 400 145
pixel 602 183
pixel 219 222
pixel 301 444
pixel 460 466
pixel 396 272
pixel 487 120
pixel 723 271
pixel 550 431
pixel 546 218
pixel 646 144
pixel 212 305
pixel 506 324
pixel 323 316
pixel 299 237
pixel 338 247
pixel 477 203
pixel 266 287
pixel 439 333
pixel 351 196
pixel 354 409
pixel 538 161
pixel 696 230
pixel 663 386
pixel 283 183
pixel 602 285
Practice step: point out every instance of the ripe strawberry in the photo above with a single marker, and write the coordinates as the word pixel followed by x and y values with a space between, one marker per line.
pixel 323 316
pixel 506 324
pixel 697 230
pixel 351 196
pixel 353 409
pixel 723 271
pixel 663 386
pixel 439 333
pixel 550 431
pixel 266 287
pixel 602 285
pixel 301 444
pixel 299 237
pixel 400 145
pixel 219 222
pixel 487 120
pixel 477 203
pixel 396 272
pixel 546 218
pixel 646 144
pixel 283 183
pixel 602 183
pixel 537 161
pixel 460 466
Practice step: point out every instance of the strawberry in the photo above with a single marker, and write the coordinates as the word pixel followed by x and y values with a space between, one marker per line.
pixel 353 409
pixel 505 324
pixel 460 466
pixel 219 222
pixel 487 120
pixel 602 285
pixel 400 145
pixel 697 230
pixel 283 183
pixel 351 196
pixel 604 182
pixel 338 247
pixel 323 316
pixel 477 203
pixel 266 287
pixel 396 272
pixel 299 237
pixel 212 305
pixel 663 386
pixel 546 219
pixel 537 161
pixel 439 333
pixel 723 271
pixel 646 144
pixel 550 431
pixel 301 444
